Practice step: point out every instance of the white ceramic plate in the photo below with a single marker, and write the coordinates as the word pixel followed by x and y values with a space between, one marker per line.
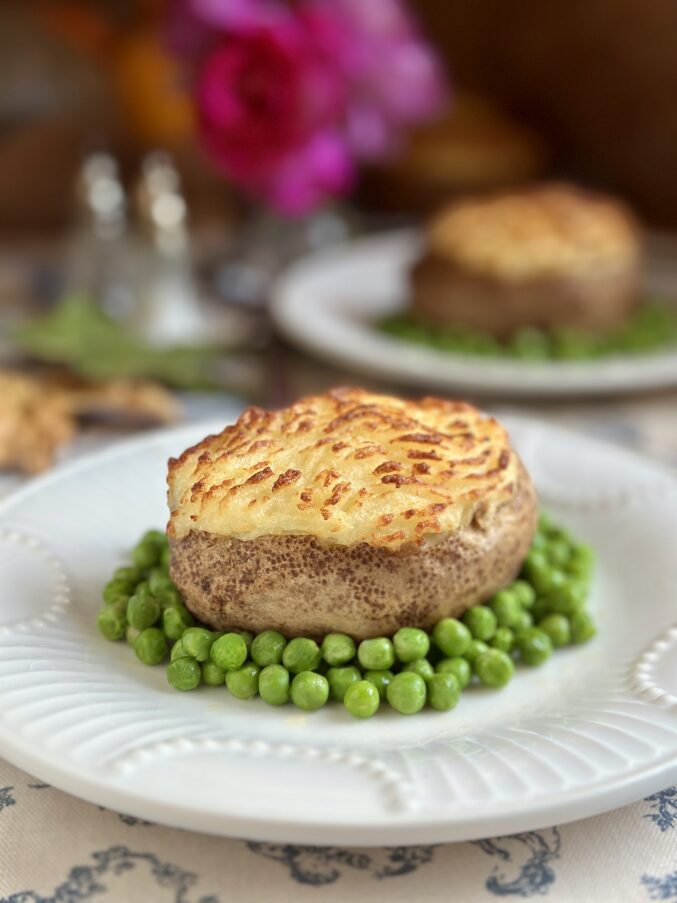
pixel 593 729
pixel 328 302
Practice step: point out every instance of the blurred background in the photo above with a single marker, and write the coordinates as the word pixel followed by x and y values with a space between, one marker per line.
pixel 161 161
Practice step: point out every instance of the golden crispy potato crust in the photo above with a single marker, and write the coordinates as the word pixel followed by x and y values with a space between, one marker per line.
pixel 347 467
pixel 552 230
pixel 544 257
pixel 303 586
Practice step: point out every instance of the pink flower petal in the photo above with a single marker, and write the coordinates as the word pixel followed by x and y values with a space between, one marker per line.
pixel 240 14
pixel 321 170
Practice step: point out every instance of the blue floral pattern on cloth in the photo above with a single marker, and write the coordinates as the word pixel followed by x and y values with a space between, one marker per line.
pixel 6 798
pixel 324 865
pixel 86 881
pixel 524 865
pixel 130 820
pixel 664 888
pixel 663 808
pixel 525 870
pixel 664 815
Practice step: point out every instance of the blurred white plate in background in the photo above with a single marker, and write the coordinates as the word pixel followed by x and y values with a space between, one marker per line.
pixel 328 302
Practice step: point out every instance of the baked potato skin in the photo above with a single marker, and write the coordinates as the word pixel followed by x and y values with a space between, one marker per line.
pixel 301 586
pixel 444 295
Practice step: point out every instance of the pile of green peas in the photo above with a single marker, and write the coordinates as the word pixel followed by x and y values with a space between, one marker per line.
pixel 543 610
pixel 651 328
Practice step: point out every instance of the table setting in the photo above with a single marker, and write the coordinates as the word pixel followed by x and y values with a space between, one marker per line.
pixel 338 455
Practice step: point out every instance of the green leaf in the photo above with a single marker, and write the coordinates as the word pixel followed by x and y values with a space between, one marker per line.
pixel 78 334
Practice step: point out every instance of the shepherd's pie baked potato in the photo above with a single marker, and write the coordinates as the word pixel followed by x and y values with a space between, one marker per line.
pixel 550 256
pixel 348 512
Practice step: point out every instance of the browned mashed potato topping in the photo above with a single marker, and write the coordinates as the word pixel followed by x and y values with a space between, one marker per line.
pixel 545 232
pixel 346 467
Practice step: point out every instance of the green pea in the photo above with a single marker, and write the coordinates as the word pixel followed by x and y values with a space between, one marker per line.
pixel 301 654
pixel 143 590
pixel 411 644
pixel 165 558
pixel 142 612
pixel 504 639
pixel 537 569
pixel 568 598
pixel 545 578
pixel 459 667
pixel 421 666
pixel 130 576
pixel 112 622
pixel 274 684
pixel 131 634
pixel 507 608
pixel 582 627
pixel 267 648
pixel 481 622
pixel 229 651
pixel 572 345
pixel 380 679
pixel 244 682
pixel 534 646
pixel 376 654
pixel 114 591
pixel 158 582
pixel 212 675
pixel 525 620
pixel 451 637
pixel 309 691
pixel 177 651
pixel 494 668
pixel 184 674
pixel 340 679
pixel 444 691
pixel 175 621
pixel 362 699
pixel 145 555
pixel 406 693
pixel 338 648
pixel 557 534
pixel 558 629
pixel 197 641
pixel 581 561
pixel 530 344
pixel 151 646
pixel 155 538
pixel 169 597
pixel 539 541
pixel 559 552
pixel 525 593
pixel 248 638
pixel 476 648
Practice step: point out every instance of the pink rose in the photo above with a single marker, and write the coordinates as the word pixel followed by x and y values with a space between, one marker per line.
pixel 292 95
pixel 266 103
